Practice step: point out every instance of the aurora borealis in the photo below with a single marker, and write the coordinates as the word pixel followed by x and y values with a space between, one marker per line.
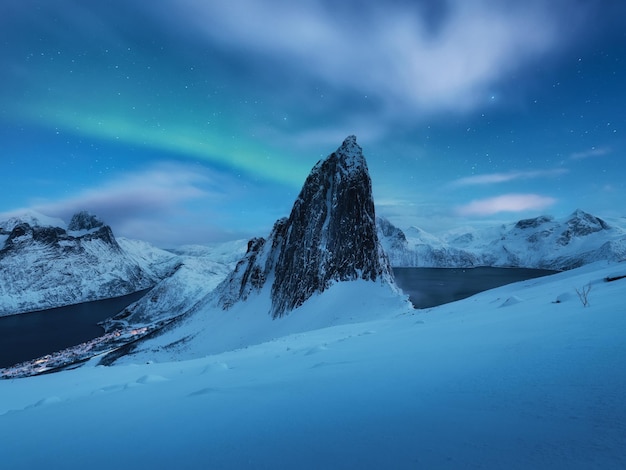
pixel 182 121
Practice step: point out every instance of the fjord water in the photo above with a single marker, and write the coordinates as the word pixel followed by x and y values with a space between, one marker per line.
pixel 429 287
pixel 31 335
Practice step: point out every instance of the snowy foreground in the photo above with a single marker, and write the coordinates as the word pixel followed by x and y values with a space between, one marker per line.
pixel 523 376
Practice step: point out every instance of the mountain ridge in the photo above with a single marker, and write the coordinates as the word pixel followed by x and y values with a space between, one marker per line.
pixel 542 242
pixel 45 266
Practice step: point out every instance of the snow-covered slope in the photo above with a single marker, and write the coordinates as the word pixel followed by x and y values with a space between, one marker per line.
pixel 196 273
pixel 542 242
pixel 421 249
pixel 155 261
pixel 228 253
pixel 44 266
pixel 523 376
pixel 210 330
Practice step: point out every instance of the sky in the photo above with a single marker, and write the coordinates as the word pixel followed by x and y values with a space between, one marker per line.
pixel 189 121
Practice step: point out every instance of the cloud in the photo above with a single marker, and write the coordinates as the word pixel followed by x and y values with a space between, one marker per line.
pixel 158 189
pixel 394 52
pixel 166 204
pixel 493 178
pixel 591 153
pixel 505 203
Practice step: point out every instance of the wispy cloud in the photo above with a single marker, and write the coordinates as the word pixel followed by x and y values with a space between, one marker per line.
pixel 493 178
pixel 153 204
pixel 505 203
pixel 158 189
pixel 395 52
pixel 591 153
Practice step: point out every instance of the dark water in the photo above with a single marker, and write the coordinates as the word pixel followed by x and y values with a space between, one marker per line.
pixel 428 287
pixel 31 335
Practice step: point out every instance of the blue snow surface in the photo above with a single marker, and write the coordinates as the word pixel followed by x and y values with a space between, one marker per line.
pixel 519 377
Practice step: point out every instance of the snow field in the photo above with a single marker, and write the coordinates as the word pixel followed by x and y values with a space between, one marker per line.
pixel 480 383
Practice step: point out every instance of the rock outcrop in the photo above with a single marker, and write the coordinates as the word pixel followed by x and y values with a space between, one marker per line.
pixel 330 236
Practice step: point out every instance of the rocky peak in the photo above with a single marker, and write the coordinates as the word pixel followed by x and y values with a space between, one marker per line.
pixel 330 236
pixel 583 223
pixel 82 228
pixel 83 220
pixel 23 235
pixel 350 156
pixel 534 222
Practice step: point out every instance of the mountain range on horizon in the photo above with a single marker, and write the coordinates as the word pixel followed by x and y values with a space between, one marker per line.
pixel 543 242
pixel 46 263
pixel 330 249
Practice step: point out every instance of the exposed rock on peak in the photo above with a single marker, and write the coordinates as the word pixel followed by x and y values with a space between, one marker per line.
pixel 254 269
pixel 349 155
pixel 83 220
pixel 534 222
pixel 584 223
pixel 329 236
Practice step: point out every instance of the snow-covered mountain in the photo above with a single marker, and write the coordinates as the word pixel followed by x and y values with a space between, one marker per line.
pixel 317 264
pixel 198 270
pixel 542 242
pixel 44 264
pixel 330 236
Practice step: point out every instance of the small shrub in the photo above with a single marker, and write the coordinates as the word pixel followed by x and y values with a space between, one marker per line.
pixel 583 294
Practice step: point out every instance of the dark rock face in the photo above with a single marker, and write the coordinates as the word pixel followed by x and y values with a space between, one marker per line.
pixel 533 223
pixel 84 221
pixel 329 236
pixel 24 234
pixel 253 270
pixel 331 233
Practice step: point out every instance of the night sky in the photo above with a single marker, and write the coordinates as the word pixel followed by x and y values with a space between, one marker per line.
pixel 189 121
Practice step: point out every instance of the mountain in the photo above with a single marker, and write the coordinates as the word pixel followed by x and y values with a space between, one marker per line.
pixel 197 271
pixel 316 268
pixel 419 248
pixel 542 242
pixel 330 236
pixel 44 264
